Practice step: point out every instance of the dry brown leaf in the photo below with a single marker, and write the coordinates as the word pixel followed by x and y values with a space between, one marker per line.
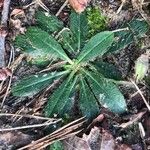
pixel 79 5
pixel 15 138
pixel 4 73
pixel 98 139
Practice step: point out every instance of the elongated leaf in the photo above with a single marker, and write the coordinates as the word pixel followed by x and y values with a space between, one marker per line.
pixel 79 27
pixel 29 86
pixel 124 38
pixel 137 29
pixel 61 100
pixel 67 41
pixel 40 44
pixel 88 103
pixel 108 70
pixel 97 46
pixel 107 93
pixel 48 22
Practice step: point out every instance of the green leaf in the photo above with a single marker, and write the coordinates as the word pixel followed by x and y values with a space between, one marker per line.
pixel 31 85
pixel 67 40
pixel 42 45
pixel 79 27
pixel 88 104
pixel 107 70
pixel 123 39
pixel 97 46
pixel 61 100
pixel 107 93
pixel 56 146
pixel 137 29
pixel 47 22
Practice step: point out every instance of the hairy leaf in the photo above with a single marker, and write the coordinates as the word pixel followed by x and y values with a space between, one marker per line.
pixel 138 27
pixel 108 70
pixel 61 100
pixel 31 85
pixel 48 22
pixel 97 46
pixel 79 28
pixel 67 40
pixel 136 30
pixel 88 103
pixel 107 93
pixel 42 45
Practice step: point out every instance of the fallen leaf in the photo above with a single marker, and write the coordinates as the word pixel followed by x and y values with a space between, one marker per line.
pixel 15 138
pixel 141 67
pixel 98 139
pixel 4 73
pixel 79 5
pixel 17 12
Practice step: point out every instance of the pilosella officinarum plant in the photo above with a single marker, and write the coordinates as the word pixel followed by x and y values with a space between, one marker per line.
pixel 83 70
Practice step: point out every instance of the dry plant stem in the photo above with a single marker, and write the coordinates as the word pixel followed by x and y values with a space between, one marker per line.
pixel 120 8
pixel 17 62
pixel 56 135
pixel 11 59
pixel 47 143
pixel 7 91
pixel 38 3
pixel 135 119
pixel 139 91
pixel 4 19
pixel 55 66
pixel 47 123
pixel 123 29
pixel 142 131
pixel 27 116
pixel 62 7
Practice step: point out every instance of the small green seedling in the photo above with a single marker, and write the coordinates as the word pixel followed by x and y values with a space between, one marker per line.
pixel 81 71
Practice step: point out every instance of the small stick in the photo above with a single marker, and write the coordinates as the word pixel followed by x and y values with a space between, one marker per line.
pixel 11 59
pixel 62 7
pixel 47 123
pixel 3 32
pixel 55 66
pixel 27 116
pixel 139 91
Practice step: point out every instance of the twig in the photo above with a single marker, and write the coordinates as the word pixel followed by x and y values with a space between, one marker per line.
pixel 55 66
pixel 134 119
pixel 27 116
pixel 139 91
pixel 47 123
pixel 123 29
pixel 7 91
pixel 121 6
pixel 3 32
pixel 56 135
pixel 11 59
pixel 5 12
pixel 62 7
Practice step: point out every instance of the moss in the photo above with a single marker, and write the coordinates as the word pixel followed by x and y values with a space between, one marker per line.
pixel 96 21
